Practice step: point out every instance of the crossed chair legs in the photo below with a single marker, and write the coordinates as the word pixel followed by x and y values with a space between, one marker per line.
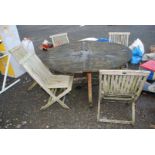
pixel 53 98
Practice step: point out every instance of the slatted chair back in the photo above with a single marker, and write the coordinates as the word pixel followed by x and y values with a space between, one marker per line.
pixel 42 75
pixel 33 65
pixel 59 39
pixel 119 37
pixel 122 82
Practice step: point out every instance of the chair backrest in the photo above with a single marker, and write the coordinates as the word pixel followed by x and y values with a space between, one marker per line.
pixel 33 65
pixel 59 39
pixel 119 37
pixel 122 82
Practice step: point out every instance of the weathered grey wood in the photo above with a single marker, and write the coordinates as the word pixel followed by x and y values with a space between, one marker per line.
pixel 115 121
pixel 32 85
pixel 41 74
pixel 119 37
pixel 79 57
pixel 59 39
pixel 120 85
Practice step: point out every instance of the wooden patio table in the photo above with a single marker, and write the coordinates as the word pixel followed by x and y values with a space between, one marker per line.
pixel 86 57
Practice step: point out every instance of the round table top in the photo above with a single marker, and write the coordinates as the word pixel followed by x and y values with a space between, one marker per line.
pixel 79 57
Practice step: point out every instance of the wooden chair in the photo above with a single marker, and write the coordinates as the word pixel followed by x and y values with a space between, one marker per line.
pixel 57 86
pixel 120 85
pixel 119 37
pixel 59 39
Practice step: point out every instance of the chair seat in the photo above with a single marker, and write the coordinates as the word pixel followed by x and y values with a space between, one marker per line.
pixel 59 81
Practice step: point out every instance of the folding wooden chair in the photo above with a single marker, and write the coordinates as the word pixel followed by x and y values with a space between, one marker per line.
pixel 120 85
pixel 59 39
pixel 57 86
pixel 119 37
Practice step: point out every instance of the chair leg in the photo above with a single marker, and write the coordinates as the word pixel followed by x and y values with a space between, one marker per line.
pixel 49 103
pixel 98 110
pixel 63 98
pixel 63 104
pixel 62 95
pixel 57 99
pixel 133 113
pixel 32 86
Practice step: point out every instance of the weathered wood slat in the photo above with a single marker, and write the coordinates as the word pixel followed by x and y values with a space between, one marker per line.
pixel 119 37
pixel 120 85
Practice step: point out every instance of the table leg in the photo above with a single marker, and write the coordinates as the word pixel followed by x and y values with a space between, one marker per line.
pixel 90 99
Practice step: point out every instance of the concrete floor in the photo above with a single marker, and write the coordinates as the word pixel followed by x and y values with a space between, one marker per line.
pixel 20 108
